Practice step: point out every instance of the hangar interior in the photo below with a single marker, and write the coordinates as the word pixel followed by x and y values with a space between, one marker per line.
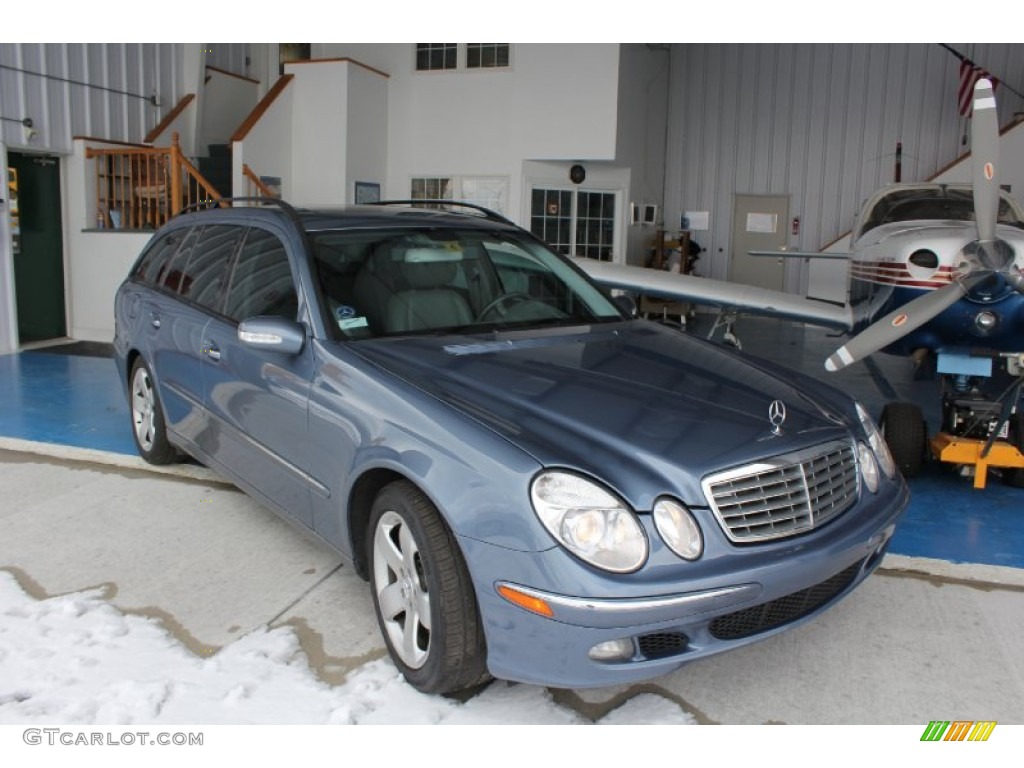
pixel 633 154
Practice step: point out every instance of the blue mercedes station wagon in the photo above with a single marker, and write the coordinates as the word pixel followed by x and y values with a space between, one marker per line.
pixel 537 485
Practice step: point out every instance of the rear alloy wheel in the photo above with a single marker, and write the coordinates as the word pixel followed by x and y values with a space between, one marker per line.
pixel 903 426
pixel 422 593
pixel 148 426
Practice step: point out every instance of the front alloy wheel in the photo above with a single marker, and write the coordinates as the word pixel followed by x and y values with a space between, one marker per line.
pixel 422 593
pixel 402 591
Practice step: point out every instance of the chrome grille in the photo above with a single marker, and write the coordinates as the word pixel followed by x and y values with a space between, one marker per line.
pixel 785 495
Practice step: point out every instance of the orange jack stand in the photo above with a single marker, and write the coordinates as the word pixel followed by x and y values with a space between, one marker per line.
pixel 962 450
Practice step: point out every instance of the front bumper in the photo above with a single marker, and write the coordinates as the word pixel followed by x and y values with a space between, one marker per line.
pixel 671 624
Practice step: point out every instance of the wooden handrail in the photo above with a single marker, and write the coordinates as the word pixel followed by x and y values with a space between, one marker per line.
pixel 232 74
pixel 162 125
pixel 143 187
pixel 263 106
pixel 256 181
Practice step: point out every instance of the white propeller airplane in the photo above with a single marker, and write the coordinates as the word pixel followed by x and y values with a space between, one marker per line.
pixel 935 270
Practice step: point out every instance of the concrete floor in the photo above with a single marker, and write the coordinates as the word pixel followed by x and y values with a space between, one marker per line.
pixel 928 637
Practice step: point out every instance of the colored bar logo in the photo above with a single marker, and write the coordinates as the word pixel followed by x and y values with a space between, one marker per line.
pixel 958 730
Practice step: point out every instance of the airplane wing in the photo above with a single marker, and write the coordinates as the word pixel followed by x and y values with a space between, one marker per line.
pixel 804 254
pixel 747 299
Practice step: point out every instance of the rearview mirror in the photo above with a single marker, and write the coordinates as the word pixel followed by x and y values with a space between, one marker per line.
pixel 625 302
pixel 273 334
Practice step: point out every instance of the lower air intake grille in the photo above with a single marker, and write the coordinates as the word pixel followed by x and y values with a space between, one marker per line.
pixel 785 495
pixel 659 644
pixel 761 618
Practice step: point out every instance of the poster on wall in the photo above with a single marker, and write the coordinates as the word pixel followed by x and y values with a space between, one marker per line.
pixel 367 192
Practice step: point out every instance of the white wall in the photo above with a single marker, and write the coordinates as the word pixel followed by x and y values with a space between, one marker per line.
pixel 555 102
pixel 319 112
pixel 367 143
pixel 184 124
pixel 339 130
pixel 227 99
pixel 267 148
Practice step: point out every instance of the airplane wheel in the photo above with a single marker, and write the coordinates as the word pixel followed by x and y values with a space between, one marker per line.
pixel 904 429
pixel 1015 476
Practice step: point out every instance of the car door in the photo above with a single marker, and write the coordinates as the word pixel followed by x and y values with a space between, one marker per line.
pixel 201 282
pixel 173 331
pixel 257 399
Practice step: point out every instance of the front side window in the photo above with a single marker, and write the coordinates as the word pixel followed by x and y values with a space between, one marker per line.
pixel 262 282
pixel 466 281
pixel 206 273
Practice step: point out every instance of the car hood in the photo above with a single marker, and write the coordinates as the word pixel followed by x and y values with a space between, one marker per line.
pixel 644 407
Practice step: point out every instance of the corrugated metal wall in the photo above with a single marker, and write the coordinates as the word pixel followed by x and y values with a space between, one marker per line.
pixel 121 78
pixel 817 122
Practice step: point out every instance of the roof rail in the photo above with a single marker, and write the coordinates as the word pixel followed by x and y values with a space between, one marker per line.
pixel 272 201
pixel 487 212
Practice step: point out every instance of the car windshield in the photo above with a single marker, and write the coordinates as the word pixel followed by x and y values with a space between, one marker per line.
pixel 938 204
pixel 386 283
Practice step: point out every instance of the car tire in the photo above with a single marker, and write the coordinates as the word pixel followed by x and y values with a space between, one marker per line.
pixel 1014 476
pixel 903 426
pixel 422 593
pixel 148 426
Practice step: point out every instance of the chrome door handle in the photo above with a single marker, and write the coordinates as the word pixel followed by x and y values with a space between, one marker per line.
pixel 211 351
pixel 154 321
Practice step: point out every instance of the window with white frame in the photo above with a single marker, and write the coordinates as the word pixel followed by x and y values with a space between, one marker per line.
pixel 575 222
pixel 491 192
pixel 434 57
pixel 487 55
pixel 431 188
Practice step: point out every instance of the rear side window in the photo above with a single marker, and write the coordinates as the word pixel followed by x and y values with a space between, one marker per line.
pixel 169 277
pixel 153 264
pixel 204 278
pixel 262 282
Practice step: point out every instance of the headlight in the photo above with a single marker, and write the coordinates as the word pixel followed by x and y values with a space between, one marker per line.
pixel 877 442
pixel 589 521
pixel 678 528
pixel 868 467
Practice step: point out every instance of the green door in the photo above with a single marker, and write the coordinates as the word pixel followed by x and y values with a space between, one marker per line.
pixel 38 248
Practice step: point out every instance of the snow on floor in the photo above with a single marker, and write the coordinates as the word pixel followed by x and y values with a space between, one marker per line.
pixel 76 659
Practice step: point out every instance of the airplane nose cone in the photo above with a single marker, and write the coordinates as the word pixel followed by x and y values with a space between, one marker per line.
pixel 995 255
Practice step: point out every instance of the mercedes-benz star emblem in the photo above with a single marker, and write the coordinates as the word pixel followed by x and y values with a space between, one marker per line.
pixel 777 416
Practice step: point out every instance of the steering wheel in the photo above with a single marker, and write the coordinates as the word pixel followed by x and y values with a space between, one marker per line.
pixel 500 302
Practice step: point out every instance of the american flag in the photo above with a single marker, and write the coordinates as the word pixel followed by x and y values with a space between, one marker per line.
pixel 971 73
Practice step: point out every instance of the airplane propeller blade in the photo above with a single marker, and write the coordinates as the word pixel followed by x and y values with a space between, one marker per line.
pixel 984 162
pixel 896 324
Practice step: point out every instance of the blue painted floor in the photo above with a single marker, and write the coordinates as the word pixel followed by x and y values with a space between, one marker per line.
pixel 78 401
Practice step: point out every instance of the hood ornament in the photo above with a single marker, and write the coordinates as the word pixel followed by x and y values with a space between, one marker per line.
pixel 777 416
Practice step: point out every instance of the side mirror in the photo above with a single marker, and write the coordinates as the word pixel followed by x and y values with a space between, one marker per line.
pixel 625 302
pixel 272 334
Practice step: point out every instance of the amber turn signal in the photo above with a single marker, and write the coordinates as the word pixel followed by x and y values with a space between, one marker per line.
pixel 529 602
